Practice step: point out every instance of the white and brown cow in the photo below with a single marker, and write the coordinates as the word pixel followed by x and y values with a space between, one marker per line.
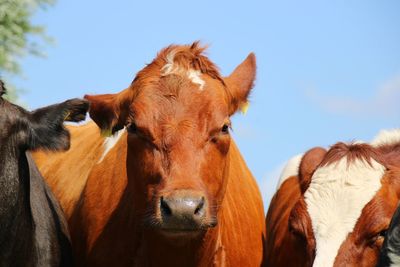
pixel 335 206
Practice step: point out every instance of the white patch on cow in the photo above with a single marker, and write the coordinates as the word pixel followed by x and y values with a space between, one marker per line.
pixel 170 68
pixel 291 169
pixel 335 198
pixel 110 142
pixel 359 142
pixel 195 77
pixel 386 137
pixel 394 259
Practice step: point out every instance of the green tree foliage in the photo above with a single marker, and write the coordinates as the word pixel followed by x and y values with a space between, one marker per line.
pixel 19 36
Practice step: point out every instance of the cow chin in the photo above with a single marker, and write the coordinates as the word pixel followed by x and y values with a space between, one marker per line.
pixel 176 232
pixel 180 236
pixel 181 227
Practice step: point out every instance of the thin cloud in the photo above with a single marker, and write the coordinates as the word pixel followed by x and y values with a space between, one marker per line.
pixel 384 102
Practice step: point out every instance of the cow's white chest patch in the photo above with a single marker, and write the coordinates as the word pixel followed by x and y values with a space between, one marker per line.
pixel 110 142
pixel 335 198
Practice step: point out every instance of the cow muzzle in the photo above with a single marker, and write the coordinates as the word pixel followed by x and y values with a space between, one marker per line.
pixel 183 212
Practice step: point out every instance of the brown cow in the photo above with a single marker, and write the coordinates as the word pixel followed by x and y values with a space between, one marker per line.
pixel 335 209
pixel 170 187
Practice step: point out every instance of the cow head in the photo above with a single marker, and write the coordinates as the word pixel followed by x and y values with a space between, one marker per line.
pixel 177 115
pixel 40 129
pixel 349 195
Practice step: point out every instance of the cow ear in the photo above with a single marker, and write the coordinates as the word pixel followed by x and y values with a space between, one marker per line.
pixel 109 111
pixel 309 163
pixel 240 83
pixel 2 88
pixel 46 125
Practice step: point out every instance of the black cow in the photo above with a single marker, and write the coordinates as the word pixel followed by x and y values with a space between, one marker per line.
pixel 33 230
pixel 390 253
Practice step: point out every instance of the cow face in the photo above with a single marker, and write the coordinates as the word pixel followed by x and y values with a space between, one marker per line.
pixel 177 115
pixel 348 198
pixel 40 129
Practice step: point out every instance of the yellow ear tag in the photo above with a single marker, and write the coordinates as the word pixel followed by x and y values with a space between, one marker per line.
pixel 67 116
pixel 106 132
pixel 244 107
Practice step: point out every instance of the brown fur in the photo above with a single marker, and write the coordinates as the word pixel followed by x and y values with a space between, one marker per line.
pixel 174 142
pixel 352 152
pixel 289 230
pixel 189 57
pixel 309 163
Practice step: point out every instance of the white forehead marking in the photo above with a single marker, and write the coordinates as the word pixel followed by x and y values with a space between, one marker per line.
pixel 110 142
pixel 335 199
pixel 387 137
pixel 171 68
pixel 168 68
pixel 195 77
pixel 291 169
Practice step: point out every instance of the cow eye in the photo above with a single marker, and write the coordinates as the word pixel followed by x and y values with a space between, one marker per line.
pixel 382 233
pixel 132 128
pixel 225 128
pixel 141 133
pixel 378 239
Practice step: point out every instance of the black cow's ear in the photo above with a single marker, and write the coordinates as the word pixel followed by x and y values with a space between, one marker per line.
pixel 46 125
pixel 2 88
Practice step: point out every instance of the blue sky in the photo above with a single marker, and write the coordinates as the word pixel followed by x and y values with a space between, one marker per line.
pixel 328 71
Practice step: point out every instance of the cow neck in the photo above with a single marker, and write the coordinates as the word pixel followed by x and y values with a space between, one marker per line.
pixel 15 216
pixel 205 250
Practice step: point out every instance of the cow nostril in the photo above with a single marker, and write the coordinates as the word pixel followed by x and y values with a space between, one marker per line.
pixel 199 207
pixel 165 209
